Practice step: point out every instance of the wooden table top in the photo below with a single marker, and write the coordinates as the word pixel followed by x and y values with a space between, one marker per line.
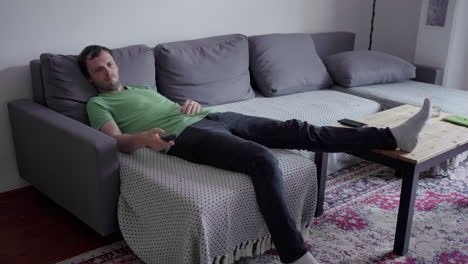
pixel 436 138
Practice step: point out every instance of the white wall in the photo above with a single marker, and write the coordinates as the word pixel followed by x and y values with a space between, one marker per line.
pixel 456 69
pixel 395 24
pixel 433 42
pixel 355 16
pixel 29 28
pixel 396 27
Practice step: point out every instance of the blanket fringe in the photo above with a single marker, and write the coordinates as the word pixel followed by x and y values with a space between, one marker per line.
pixel 254 248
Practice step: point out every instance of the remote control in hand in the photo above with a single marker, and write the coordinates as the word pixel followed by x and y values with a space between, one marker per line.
pixel 167 137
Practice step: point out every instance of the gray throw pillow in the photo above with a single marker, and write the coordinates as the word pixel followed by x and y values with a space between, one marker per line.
pixel 286 63
pixel 66 89
pixel 362 67
pixel 210 71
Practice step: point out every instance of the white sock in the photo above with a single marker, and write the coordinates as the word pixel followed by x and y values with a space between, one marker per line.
pixel 307 258
pixel 407 134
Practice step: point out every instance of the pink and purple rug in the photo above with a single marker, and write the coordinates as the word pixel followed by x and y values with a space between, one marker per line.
pixel 359 222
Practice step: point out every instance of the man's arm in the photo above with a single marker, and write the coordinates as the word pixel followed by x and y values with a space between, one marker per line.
pixel 130 143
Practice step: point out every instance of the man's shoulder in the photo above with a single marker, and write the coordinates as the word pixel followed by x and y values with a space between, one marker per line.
pixel 96 102
pixel 94 99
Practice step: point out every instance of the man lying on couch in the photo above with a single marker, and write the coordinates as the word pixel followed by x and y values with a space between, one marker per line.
pixel 137 116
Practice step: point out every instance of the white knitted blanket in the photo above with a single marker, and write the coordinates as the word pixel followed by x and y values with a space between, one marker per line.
pixel 174 211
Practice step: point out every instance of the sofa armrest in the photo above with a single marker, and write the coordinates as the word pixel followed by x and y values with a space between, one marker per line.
pixel 73 164
pixel 429 74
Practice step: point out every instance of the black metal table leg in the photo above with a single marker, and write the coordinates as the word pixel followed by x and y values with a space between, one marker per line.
pixel 321 161
pixel 397 173
pixel 409 187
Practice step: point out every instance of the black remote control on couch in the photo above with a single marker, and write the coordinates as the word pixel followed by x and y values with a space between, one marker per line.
pixel 352 123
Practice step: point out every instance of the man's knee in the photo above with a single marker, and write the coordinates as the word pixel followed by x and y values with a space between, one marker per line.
pixel 263 161
pixel 298 124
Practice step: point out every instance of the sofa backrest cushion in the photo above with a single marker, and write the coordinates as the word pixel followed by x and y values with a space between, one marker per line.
pixel 286 63
pixel 328 43
pixel 210 71
pixel 363 67
pixel 67 90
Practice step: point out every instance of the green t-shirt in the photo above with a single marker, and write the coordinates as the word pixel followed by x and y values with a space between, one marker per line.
pixel 139 108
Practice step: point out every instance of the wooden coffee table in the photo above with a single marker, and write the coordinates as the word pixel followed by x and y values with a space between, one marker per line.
pixel 438 142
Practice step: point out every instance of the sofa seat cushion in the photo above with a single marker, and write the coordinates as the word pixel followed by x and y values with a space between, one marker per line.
pixel 390 95
pixel 283 64
pixel 321 108
pixel 210 71
pixel 66 88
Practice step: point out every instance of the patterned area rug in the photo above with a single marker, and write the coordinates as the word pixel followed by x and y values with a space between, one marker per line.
pixel 359 221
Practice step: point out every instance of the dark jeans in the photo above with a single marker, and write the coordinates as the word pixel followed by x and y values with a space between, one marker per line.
pixel 242 143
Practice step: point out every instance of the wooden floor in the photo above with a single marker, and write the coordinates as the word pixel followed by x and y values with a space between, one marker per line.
pixel 33 229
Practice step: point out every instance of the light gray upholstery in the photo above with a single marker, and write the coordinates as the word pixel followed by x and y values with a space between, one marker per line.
pixel 73 164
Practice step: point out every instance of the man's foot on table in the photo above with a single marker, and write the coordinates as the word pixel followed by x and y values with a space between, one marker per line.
pixel 407 134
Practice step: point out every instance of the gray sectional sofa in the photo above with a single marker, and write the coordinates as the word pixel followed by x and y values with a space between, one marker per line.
pixel 170 210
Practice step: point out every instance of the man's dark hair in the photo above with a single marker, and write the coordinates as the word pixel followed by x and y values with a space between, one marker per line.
pixel 88 53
